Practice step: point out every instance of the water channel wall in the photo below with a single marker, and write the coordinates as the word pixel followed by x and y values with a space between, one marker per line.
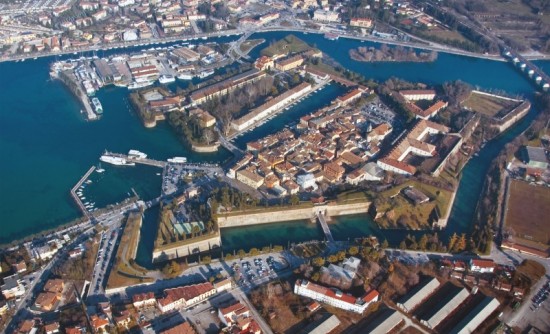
pixel 179 250
pixel 289 214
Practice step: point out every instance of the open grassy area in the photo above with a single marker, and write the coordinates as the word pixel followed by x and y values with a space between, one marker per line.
pixel 446 34
pixel 288 45
pixel 402 213
pixel 488 105
pixel 125 271
pixel 250 44
pixel 527 212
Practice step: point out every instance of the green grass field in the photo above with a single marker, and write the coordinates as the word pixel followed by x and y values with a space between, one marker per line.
pixel 288 45
pixel 488 105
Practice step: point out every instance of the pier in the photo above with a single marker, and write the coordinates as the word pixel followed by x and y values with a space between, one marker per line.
pixel 75 188
pixel 324 226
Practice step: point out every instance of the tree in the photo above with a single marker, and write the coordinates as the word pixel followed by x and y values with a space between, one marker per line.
pixel 353 250
pixel 403 245
pixel 254 252
pixel 195 230
pixel 294 200
pixel 385 244
pixel 341 255
pixel 332 258
pixel 318 261
pixel 241 253
pixel 452 241
pixel 315 277
pixel 461 244
pixel 423 243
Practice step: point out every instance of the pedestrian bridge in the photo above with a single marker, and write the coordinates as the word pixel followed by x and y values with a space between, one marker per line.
pixel 322 220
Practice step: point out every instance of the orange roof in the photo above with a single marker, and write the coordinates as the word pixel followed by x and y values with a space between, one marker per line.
pixel 185 293
pixel 399 164
pixel 184 328
pixel 483 263
pixel 143 296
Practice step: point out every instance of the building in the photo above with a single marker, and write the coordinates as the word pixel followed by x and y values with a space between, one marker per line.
pixel 54 285
pixel 52 328
pixel 335 297
pixel 289 63
pixel 98 323
pixel 264 63
pixel 12 287
pixel 418 295
pixel 183 328
pixel 476 316
pixel 47 301
pixel 238 319
pixel 350 97
pixel 435 316
pixel 270 107
pixel 418 94
pixel 27 327
pixel 223 87
pixel 306 181
pixel 536 157
pixel 324 325
pixel 206 120
pixel 482 266
pixel 222 285
pixel 369 172
pixel 249 178
pixel 142 300
pixel 360 22
pixel 19 267
pixel 413 143
pixel 326 16
pixel 185 296
pixel 186 54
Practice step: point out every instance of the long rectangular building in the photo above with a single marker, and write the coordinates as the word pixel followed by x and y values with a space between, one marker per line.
pixel 223 87
pixel 420 293
pixel 270 106
pixel 437 316
pixel 476 317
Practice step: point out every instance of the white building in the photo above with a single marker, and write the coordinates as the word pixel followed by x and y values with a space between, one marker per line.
pixel 306 181
pixel 326 16
pixel 12 287
pixel 142 300
pixel 419 293
pixel 482 266
pixel 335 297
pixel 185 296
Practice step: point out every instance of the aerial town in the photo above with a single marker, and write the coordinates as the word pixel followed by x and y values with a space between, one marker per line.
pixel 308 144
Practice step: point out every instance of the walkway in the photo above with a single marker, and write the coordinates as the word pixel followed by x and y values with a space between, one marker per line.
pixel 75 188
pixel 324 225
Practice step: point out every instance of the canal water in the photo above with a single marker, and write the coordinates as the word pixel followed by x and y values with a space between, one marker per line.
pixel 46 145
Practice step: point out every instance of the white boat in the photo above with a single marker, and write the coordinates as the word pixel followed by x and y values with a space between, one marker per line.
pixel 99 169
pixel 164 79
pixel 204 74
pixel 116 160
pixel 185 76
pixel 136 85
pixel 178 160
pixel 137 154
pixel 82 198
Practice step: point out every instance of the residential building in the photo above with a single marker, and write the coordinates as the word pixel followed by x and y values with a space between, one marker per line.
pixel 184 296
pixel 350 97
pixel 98 323
pixel 249 178
pixel 536 157
pixel 238 318
pixel 47 301
pixel 306 181
pixel 264 63
pixel 142 300
pixel 326 16
pixel 27 327
pixel 482 265
pixel 335 297
pixel 418 94
pixel 54 285
pixel 360 22
pixel 183 328
pixel 289 63
pixel 52 328
pixel 201 95
pixel 19 267
pixel 12 287
pixel 270 107
pixel 224 284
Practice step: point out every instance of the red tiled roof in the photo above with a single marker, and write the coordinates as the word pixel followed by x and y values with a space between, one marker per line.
pixel 483 263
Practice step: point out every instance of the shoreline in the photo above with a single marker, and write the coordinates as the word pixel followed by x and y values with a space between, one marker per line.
pixel 226 33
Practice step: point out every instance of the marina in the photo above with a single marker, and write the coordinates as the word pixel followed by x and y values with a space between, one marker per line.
pixel 76 195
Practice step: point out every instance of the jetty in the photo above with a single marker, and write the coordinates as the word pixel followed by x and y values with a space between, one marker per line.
pixel 77 199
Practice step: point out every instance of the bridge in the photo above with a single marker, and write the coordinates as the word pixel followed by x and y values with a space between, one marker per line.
pixel 533 71
pixel 324 226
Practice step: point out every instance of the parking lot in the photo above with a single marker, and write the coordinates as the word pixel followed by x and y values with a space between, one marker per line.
pixel 107 245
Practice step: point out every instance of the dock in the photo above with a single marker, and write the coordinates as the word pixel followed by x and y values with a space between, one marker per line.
pixel 73 85
pixel 75 188
pixel 324 226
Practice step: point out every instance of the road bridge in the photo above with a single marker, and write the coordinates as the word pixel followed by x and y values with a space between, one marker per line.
pixel 531 70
